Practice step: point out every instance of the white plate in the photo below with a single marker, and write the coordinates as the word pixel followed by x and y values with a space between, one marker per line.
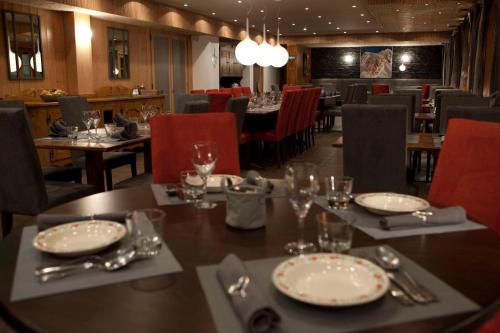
pixel 391 203
pixel 214 181
pixel 330 279
pixel 79 238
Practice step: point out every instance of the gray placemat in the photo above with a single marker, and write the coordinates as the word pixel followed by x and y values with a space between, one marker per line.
pixel 26 285
pixel 301 317
pixel 162 199
pixel 369 223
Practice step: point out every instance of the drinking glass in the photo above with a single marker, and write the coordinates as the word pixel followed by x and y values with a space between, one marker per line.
pixel 334 233
pixel 87 121
pixel 302 185
pixel 72 132
pixel 338 191
pixel 96 119
pixel 193 187
pixel 204 159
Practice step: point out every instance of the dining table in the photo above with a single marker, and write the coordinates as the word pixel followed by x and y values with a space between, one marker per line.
pixel 94 151
pixel 261 118
pixel 176 302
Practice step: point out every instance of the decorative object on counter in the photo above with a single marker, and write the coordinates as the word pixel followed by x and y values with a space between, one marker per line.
pixel 246 206
pixel 52 95
pixel 58 129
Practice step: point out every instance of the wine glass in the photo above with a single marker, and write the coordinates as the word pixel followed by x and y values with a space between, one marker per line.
pixel 96 118
pixel 204 159
pixel 87 121
pixel 302 185
pixel 145 113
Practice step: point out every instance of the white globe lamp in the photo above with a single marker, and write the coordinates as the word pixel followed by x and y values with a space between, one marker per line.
pixel 246 50
pixel 265 52
pixel 280 57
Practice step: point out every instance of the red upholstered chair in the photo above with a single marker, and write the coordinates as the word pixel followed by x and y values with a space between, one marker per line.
pixel 380 89
pixel 218 101
pixel 172 138
pixel 312 116
pixel 426 89
pixel 237 92
pixel 491 326
pixel 468 171
pixel 246 91
pixel 225 90
pixel 209 91
pixel 286 87
pixel 199 91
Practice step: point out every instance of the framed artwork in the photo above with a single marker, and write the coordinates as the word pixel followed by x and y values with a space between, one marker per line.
pixel 376 62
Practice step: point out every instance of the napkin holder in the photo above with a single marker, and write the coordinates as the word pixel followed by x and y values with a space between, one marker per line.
pixel 245 206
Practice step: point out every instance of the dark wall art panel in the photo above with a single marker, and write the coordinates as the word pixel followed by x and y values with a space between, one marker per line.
pixel 420 62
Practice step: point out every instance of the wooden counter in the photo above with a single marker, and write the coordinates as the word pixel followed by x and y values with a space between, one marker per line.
pixel 42 114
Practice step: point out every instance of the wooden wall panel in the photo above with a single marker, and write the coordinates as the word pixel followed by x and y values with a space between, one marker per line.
pixel 295 68
pixel 53 50
pixel 490 48
pixel 140 55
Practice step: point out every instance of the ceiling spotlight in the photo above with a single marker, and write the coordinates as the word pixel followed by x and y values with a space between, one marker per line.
pixel 338 28
pixel 262 10
pixel 293 24
pixel 307 8
pixel 413 17
pixel 425 22
pixel 319 16
pixel 427 4
pixel 440 12
pixel 368 21
pixel 279 18
pixel 329 22
pixel 345 32
pixel 376 31
pixel 305 29
pixel 353 6
pixel 235 20
pixel 213 13
pixel 314 33
pixel 402 68
pixel 397 10
pixel 253 25
pixel 185 5
pixel 361 14
pixel 459 3
pixel 239 1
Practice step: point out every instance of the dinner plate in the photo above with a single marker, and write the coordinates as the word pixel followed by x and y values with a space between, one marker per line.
pixel 79 238
pixel 330 279
pixel 391 203
pixel 214 181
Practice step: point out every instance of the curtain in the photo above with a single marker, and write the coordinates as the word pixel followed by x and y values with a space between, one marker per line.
pixel 447 64
pixel 456 64
pixel 495 78
pixel 477 72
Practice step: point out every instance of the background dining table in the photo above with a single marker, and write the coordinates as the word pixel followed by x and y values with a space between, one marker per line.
pixel 467 261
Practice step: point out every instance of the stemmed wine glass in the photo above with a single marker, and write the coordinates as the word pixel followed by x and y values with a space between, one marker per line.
pixel 145 113
pixel 87 121
pixel 204 159
pixel 302 185
pixel 96 118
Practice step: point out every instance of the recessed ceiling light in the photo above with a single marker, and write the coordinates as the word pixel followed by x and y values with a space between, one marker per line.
pixel 338 28
pixel 235 20
pixel 293 24
pixel 397 10
pixel 185 5
pixel 307 8
pixel 279 18
pixel 239 1
pixel 425 22
pixel 267 30
pixel 353 6
pixel 345 32
pixel 314 33
pixel 329 22
pixel 319 16
pixel 253 25
pixel 413 17
pixel 213 13
pixel 459 3
pixel 305 29
pixel 440 12
pixel 427 4
pixel 368 21
pixel 434 29
pixel 376 31
pixel 262 10
pixel 361 14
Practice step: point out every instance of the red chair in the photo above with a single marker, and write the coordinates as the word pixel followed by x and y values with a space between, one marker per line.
pixel 199 91
pixel 378 89
pixel 468 171
pixel 286 87
pixel 225 90
pixel 210 91
pixel 172 138
pixel 237 92
pixel 218 101
pixel 246 91
pixel 426 90
pixel 312 117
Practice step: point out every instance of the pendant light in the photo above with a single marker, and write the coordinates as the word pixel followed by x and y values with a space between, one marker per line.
pixel 246 51
pixel 265 52
pixel 280 54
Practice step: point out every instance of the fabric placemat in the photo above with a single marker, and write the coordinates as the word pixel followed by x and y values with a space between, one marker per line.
pixel 26 285
pixel 301 317
pixel 369 223
pixel 162 199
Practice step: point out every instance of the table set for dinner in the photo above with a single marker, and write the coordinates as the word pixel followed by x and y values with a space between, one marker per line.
pixel 210 253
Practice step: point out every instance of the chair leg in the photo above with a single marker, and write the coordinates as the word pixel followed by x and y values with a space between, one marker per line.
pixel 133 169
pixel 109 180
pixel 7 220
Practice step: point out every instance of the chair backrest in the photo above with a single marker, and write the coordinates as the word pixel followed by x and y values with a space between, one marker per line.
pixel 426 89
pixel 71 110
pixel 238 106
pixel 212 91
pixel 196 107
pixel 380 89
pixel 172 138
pixel 287 87
pixel 198 91
pixel 441 123
pixel 246 91
pixel 16 104
pixel 418 97
pixel 433 88
pixel 237 92
pixel 375 146
pixel 474 113
pixel 406 100
pixel 313 106
pixel 349 94
pixel 180 100
pixel 468 171
pixel 298 110
pixel 359 94
pixel 22 188
pixel 289 101
pixel 218 101
pixel 225 90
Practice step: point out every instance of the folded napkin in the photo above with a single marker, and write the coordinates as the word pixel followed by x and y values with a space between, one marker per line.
pixel 130 131
pixel 58 129
pixel 432 217
pixel 120 120
pixel 254 178
pixel 45 221
pixel 253 310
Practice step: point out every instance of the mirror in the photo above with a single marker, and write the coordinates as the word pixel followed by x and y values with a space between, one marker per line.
pixel 23 45
pixel 118 54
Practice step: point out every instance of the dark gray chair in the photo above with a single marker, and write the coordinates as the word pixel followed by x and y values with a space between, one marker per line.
pixel 71 110
pixel 390 99
pixel 447 101
pixel 375 146
pixel 196 107
pixel 433 88
pixel 359 94
pixel 417 93
pixel 238 106
pixel 474 113
pixel 180 100
pixel 63 174
pixel 22 187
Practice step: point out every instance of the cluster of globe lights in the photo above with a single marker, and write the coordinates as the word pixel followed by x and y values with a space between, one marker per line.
pixel 248 52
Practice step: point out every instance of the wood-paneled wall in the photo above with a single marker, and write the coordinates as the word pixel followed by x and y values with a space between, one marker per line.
pixel 295 68
pixel 490 48
pixel 53 48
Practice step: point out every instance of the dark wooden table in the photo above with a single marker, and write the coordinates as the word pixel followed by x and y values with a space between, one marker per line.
pixel 94 154
pixel 426 118
pixel 467 261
